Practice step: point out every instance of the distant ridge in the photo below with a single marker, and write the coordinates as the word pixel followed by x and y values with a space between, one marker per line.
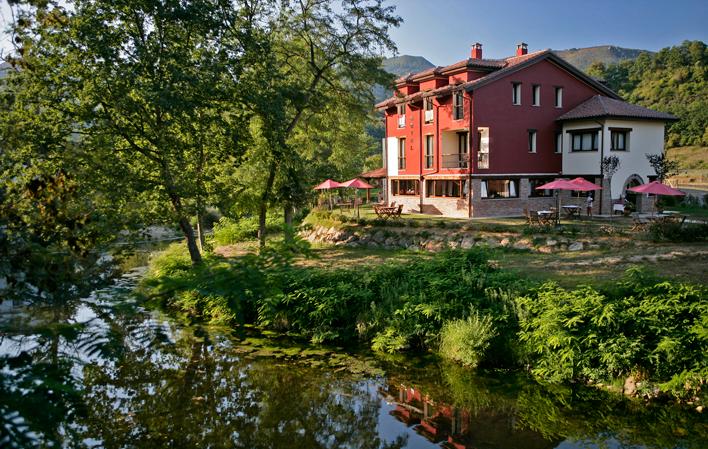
pixel 583 58
pixel 399 66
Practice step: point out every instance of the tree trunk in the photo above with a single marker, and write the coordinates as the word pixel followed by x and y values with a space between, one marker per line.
pixel 188 232
pixel 288 216
pixel 264 204
pixel 200 234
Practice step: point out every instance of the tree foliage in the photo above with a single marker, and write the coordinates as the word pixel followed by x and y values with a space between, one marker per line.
pixel 674 80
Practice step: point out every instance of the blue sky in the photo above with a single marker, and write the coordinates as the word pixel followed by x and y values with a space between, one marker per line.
pixel 443 30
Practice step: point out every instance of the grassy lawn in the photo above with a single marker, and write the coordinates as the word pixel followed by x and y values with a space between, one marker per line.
pixel 568 269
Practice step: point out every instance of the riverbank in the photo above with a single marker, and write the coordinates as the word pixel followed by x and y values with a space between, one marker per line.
pixel 637 334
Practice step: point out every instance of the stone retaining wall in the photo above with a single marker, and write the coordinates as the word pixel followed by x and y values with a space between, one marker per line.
pixel 435 239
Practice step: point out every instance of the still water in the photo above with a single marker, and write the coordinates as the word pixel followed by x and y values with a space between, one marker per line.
pixel 105 372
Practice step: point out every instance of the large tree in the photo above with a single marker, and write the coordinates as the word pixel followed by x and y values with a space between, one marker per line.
pixel 141 81
pixel 319 64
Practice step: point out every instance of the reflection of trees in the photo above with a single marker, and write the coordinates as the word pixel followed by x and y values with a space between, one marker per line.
pixel 201 395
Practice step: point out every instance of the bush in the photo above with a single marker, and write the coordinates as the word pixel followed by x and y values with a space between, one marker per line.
pixel 228 231
pixel 656 330
pixel 466 340
pixel 678 232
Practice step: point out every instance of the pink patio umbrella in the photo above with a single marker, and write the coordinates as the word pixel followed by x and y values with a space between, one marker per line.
pixel 577 184
pixel 328 185
pixel 656 188
pixel 357 183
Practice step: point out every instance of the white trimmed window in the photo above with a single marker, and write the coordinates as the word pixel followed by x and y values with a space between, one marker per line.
pixel 532 140
pixel 429 150
pixel 428 102
pixel 559 97
pixel 516 93
pixel 458 112
pixel 536 95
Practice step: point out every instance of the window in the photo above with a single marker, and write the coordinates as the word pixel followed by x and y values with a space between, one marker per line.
pixel 536 95
pixel 584 140
pixel 428 105
pixel 446 188
pixel 401 154
pixel 405 187
pixel 559 143
pixel 618 138
pixel 429 150
pixel 483 146
pixel 462 142
pixel 536 182
pixel 516 93
pixel 401 115
pixel 532 140
pixel 500 188
pixel 458 108
pixel 559 97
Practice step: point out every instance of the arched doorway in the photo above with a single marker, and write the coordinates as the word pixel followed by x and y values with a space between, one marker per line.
pixel 632 197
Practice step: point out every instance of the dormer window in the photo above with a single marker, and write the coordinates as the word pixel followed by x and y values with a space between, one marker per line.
pixel 458 111
pixel 516 93
pixel 428 105
pixel 402 115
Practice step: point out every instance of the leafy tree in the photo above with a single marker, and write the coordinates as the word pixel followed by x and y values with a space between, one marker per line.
pixel 663 166
pixel 313 58
pixel 671 80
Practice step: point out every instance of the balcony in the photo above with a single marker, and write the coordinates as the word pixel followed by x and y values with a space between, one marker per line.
pixel 455 160
pixel 402 121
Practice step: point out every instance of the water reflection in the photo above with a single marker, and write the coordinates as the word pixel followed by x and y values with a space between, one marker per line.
pixel 103 372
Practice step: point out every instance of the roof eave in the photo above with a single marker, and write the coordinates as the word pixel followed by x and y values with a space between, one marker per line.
pixel 618 117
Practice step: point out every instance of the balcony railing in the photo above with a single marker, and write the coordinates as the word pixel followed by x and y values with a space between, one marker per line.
pixel 401 121
pixel 482 160
pixel 455 160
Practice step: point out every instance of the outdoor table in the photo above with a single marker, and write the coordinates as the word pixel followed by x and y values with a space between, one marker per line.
pixel 544 215
pixel 571 211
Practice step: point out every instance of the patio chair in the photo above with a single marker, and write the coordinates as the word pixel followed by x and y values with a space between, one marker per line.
pixel 398 212
pixel 534 218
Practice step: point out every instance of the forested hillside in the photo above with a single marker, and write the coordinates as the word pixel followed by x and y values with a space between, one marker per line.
pixel 671 80
pixel 583 58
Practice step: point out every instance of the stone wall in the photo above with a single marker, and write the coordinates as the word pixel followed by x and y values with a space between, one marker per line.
pixel 436 239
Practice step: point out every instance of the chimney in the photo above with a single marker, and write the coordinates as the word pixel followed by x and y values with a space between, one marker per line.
pixel 476 51
pixel 522 49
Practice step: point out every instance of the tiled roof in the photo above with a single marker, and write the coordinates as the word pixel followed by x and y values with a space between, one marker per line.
pixel 601 106
pixel 500 68
pixel 378 173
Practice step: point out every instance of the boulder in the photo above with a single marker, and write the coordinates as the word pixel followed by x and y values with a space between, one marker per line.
pixel 551 242
pixel 630 386
pixel 492 243
pixel 523 244
pixel 505 241
pixel 545 249
pixel 575 246
pixel 467 242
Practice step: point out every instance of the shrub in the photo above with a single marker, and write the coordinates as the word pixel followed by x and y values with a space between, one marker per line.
pixel 228 231
pixel 640 326
pixel 466 340
pixel 678 232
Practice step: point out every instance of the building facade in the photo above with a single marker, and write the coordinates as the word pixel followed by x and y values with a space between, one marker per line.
pixel 476 137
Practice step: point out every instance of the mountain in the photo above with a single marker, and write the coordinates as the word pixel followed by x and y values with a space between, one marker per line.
pixel 583 58
pixel 399 66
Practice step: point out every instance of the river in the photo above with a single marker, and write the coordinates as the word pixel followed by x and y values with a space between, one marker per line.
pixel 106 372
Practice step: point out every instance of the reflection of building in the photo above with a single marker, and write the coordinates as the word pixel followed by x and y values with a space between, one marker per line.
pixel 457 428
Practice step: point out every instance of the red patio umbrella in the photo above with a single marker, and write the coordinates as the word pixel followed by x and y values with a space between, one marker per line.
pixel 656 188
pixel 357 184
pixel 328 185
pixel 577 184
pixel 584 185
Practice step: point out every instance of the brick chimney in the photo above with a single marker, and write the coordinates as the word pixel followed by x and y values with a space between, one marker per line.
pixel 476 51
pixel 522 49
